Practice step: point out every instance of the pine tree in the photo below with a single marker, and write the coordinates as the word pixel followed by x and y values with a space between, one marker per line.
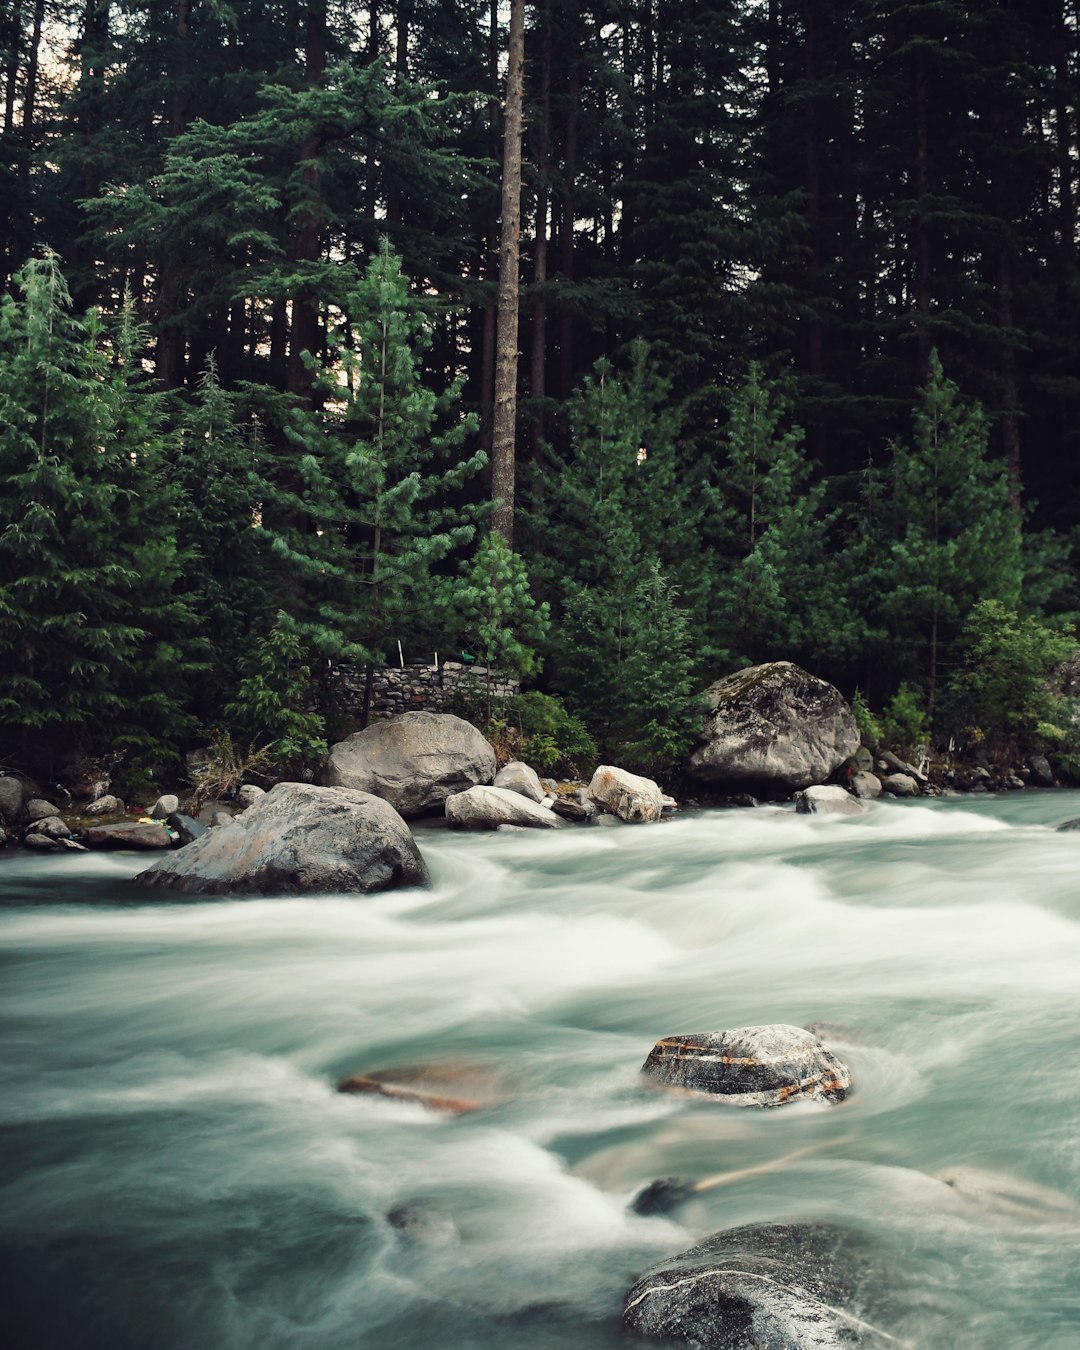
pixel 775 592
pixel 377 503
pixel 95 640
pixel 957 538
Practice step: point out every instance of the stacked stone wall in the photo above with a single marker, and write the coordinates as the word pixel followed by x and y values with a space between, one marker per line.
pixel 417 687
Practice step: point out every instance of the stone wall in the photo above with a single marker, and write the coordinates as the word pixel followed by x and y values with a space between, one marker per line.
pixel 416 687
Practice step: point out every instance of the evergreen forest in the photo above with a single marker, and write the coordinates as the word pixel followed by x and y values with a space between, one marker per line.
pixel 614 344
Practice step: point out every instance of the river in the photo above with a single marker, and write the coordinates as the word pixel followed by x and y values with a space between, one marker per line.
pixel 179 1171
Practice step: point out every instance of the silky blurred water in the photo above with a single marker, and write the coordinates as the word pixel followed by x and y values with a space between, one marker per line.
pixel 178 1169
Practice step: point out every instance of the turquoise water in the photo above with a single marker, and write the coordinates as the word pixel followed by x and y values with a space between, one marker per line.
pixel 178 1170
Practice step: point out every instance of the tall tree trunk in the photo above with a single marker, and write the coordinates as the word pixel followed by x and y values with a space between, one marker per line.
pixel 922 227
pixel 306 243
pixel 506 332
pixel 566 327
pixel 169 354
pixel 538 373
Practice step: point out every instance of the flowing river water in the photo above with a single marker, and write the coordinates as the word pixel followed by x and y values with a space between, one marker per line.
pixel 179 1171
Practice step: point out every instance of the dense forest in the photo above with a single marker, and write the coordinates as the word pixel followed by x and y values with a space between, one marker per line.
pixel 773 352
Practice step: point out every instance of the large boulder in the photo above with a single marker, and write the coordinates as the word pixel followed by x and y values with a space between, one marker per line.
pixel 12 796
pixel 486 808
pixel 773 728
pixel 627 795
pixel 414 761
pixel 298 839
pixel 797 1286
pixel 751 1066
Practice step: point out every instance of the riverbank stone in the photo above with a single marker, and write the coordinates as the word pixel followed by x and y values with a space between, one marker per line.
pixel 826 799
pixel 866 785
pixel 773 728
pixel 798 1286
pixel 632 798
pixel 11 800
pixel 487 808
pixel 764 1066
pixel 414 761
pixel 298 840
pixel 519 777
pixel 126 835
pixel 900 785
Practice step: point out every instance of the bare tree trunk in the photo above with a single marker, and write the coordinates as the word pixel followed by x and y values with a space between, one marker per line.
pixel 538 373
pixel 506 330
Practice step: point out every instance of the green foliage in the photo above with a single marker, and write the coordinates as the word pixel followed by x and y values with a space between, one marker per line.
pixel 956 537
pixel 868 723
pixel 1001 692
pixel 905 723
pixel 773 591
pixel 367 504
pixel 94 631
pixel 270 707
pixel 551 737
pixel 494 608
pixel 658 712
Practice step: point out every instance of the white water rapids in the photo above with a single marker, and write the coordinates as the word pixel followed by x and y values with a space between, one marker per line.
pixel 179 1171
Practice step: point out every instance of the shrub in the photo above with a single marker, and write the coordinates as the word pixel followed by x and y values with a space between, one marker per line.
pixel 1001 692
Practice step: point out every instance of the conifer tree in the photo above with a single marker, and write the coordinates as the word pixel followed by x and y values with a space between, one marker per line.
pixel 94 639
pixel 775 594
pixel 957 538
pixel 377 501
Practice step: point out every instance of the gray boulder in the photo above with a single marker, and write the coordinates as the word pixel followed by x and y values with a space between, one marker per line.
pixel 632 798
pixel 414 761
pixel 52 826
pixel 104 806
pixel 249 793
pixel 774 728
pixel 164 806
pixel 1041 773
pixel 827 799
pixel 486 808
pixel 39 809
pixel 298 839
pixel 751 1066
pixel 518 777
pixel 129 835
pixel 11 800
pixel 185 827
pixel 865 784
pixel 783 1286
pixel 901 785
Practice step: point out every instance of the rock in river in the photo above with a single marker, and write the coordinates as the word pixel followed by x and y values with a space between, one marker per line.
pixel 486 808
pixel 774 728
pixel 827 799
pixel 751 1066
pixel 298 839
pixel 414 761
pixel 793 1286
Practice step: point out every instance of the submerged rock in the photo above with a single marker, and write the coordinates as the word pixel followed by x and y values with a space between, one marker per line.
pixel 414 761
pixel 774 728
pixel 751 1066
pixel 827 799
pixel 780 1286
pixel 452 1089
pixel 298 839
